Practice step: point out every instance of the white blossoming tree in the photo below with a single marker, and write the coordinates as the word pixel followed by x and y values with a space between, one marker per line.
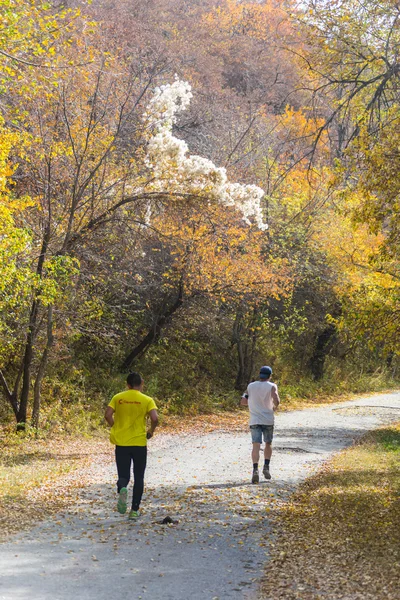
pixel 214 229
pixel 175 171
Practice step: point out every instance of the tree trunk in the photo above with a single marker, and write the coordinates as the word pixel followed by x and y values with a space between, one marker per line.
pixel 317 360
pixel 30 340
pixel 154 333
pixel 42 369
pixel 11 396
pixel 389 359
pixel 253 346
pixel 27 363
pixel 237 340
pixel 246 348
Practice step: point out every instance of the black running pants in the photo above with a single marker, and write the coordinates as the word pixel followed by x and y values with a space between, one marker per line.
pixel 124 456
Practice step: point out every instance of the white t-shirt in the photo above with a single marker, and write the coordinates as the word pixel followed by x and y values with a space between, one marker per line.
pixel 260 402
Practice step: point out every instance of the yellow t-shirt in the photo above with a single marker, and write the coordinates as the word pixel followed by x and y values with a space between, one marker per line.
pixel 131 408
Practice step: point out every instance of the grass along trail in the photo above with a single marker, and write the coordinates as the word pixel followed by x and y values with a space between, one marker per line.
pixel 338 536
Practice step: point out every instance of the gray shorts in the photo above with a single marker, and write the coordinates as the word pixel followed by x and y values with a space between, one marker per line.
pixel 260 431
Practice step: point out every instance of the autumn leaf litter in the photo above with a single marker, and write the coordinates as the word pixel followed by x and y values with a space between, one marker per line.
pixel 200 479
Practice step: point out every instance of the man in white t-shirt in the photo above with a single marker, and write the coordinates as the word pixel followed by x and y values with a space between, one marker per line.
pixel 262 398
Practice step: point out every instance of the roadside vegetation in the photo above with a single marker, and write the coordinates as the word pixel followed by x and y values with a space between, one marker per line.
pixel 209 187
pixel 40 476
pixel 338 537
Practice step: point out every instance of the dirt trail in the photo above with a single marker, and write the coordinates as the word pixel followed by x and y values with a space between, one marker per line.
pixel 220 545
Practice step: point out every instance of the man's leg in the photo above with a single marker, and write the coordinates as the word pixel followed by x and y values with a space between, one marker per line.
pixel 256 438
pixel 139 456
pixel 267 458
pixel 123 460
pixel 255 454
pixel 268 435
pixel 268 451
pixel 255 457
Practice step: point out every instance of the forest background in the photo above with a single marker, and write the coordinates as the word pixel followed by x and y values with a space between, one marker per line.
pixel 193 189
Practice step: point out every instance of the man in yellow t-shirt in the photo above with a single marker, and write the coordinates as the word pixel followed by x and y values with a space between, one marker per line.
pixel 127 413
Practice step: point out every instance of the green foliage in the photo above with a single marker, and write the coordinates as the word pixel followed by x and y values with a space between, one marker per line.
pixel 16 277
pixel 388 440
pixel 184 374
pixel 58 274
pixel 340 381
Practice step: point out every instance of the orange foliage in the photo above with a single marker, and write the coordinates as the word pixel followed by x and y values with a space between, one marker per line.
pixel 220 256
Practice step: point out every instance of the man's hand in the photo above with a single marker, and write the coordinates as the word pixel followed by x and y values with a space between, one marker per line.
pixel 153 423
pixel 275 397
pixel 244 400
pixel 109 416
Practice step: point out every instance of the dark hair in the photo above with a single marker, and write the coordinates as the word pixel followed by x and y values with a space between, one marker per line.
pixel 134 379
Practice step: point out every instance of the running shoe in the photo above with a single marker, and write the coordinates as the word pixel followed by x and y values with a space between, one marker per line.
pixel 134 515
pixel 256 477
pixel 121 504
pixel 266 472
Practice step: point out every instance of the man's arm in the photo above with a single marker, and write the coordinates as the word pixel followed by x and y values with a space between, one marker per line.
pixel 153 423
pixel 275 396
pixel 109 415
pixel 244 400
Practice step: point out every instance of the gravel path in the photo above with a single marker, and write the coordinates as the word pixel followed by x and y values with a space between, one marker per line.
pixel 220 545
